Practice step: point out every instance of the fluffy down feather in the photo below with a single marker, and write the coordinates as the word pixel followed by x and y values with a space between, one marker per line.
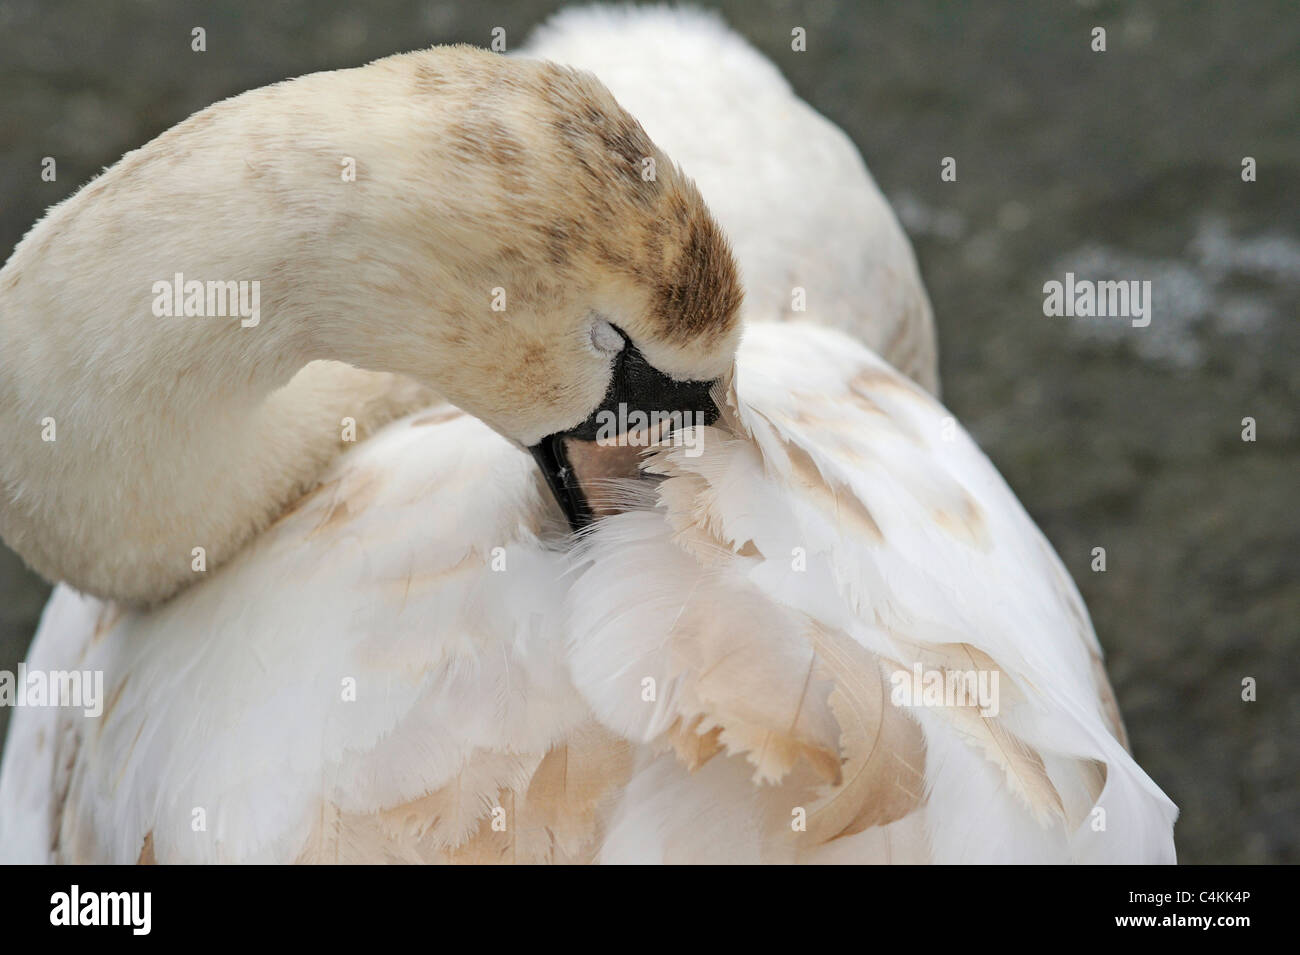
pixel 832 536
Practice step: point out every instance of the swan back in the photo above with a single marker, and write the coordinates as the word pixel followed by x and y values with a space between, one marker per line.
pixel 390 679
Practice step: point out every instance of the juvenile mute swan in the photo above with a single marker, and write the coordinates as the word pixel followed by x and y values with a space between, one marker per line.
pixel 499 244
pixel 404 667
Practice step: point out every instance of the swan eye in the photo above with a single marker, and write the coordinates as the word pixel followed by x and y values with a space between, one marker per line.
pixel 607 339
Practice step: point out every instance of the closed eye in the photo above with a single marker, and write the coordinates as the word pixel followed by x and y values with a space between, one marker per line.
pixel 606 337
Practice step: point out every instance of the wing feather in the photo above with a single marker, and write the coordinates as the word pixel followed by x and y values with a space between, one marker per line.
pixel 861 528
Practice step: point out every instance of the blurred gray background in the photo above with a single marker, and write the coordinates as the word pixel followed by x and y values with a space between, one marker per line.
pixel 1123 164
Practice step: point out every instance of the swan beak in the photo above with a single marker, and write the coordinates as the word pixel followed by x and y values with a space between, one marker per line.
pixel 640 411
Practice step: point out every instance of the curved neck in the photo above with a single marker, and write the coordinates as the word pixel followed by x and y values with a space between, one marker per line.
pixel 150 327
pixel 160 320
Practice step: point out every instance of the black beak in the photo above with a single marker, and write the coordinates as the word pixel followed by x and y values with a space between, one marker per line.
pixel 636 386
pixel 553 459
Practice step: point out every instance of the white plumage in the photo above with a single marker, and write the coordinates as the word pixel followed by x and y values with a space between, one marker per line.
pixel 234 698
pixel 407 667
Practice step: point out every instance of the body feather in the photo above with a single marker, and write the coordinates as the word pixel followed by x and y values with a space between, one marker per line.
pixel 497 676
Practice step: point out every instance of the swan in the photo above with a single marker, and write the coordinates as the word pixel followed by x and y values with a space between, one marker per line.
pixel 413 663
pixel 497 244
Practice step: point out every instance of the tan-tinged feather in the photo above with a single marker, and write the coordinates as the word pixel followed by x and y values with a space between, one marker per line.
pixel 960 658
pixel 146 851
pixel 501 809
pixel 1020 763
pixel 760 688
pixel 693 746
pixel 573 785
pixel 1109 705
pixel 844 505
pixel 494 841
pixel 1094 779
pixel 883 774
pixel 449 815
pixel 686 497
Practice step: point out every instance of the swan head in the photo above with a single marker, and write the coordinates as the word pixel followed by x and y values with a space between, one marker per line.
pixel 586 278
pixel 641 349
